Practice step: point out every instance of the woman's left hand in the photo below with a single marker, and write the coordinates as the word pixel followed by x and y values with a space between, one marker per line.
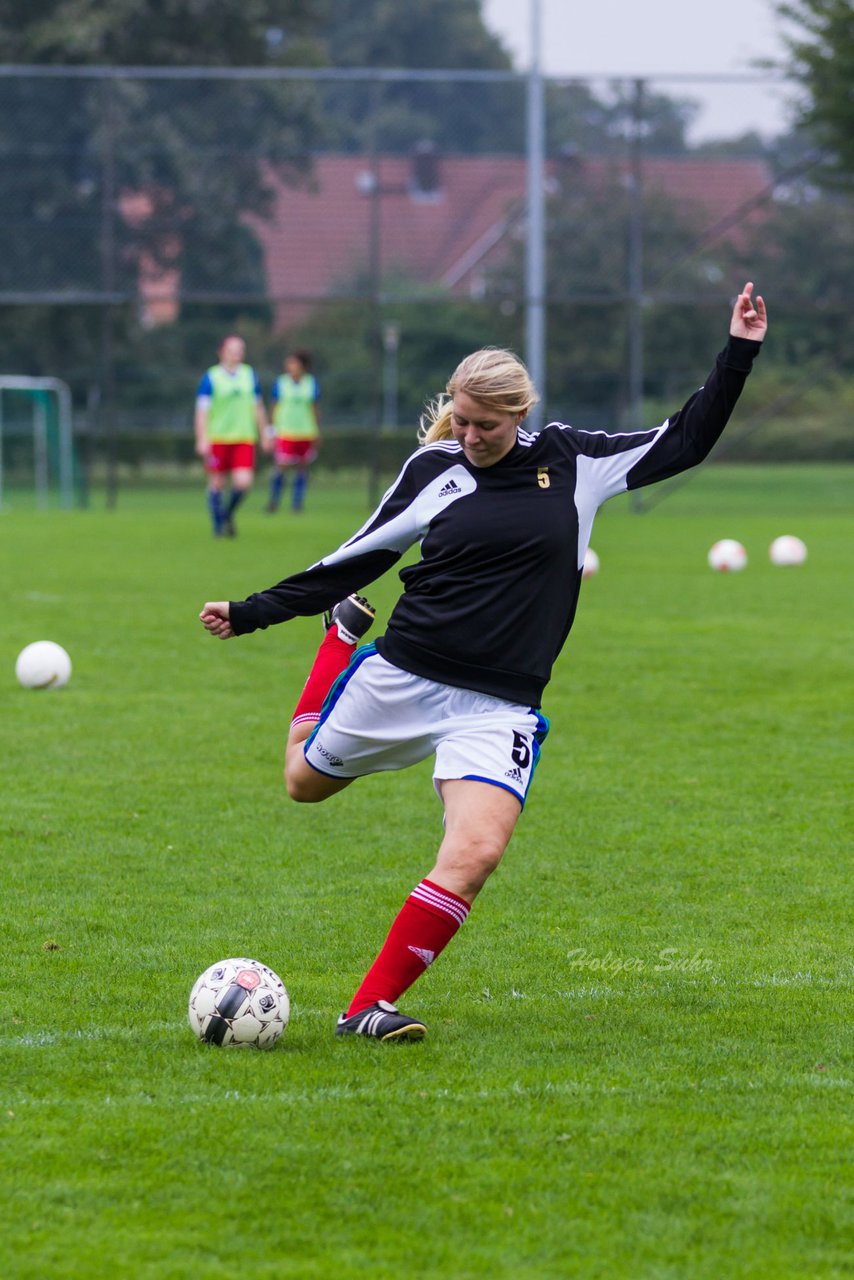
pixel 749 319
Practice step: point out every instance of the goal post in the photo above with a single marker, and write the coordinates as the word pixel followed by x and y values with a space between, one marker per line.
pixel 41 389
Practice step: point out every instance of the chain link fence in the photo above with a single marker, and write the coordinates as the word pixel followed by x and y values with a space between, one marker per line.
pixel 381 220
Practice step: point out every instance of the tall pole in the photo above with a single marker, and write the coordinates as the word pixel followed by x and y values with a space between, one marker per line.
pixel 107 404
pixel 375 273
pixel 635 273
pixel 535 257
pixel 391 346
pixel 635 263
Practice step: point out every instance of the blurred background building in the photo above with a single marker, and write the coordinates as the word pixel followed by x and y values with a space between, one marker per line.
pixel 306 176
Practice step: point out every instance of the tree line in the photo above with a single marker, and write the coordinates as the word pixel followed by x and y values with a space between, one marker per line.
pixel 194 148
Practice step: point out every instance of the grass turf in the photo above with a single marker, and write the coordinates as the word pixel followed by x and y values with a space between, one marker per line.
pixel 639 1062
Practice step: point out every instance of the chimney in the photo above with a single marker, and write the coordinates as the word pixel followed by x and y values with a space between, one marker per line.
pixel 425 181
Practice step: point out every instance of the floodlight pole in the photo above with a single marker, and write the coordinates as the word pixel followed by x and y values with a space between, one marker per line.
pixel 375 275
pixel 108 283
pixel 535 257
pixel 636 274
pixel 391 346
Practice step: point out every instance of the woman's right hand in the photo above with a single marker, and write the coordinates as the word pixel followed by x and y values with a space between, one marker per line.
pixel 214 618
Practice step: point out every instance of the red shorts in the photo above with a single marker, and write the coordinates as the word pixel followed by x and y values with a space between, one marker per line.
pixel 289 452
pixel 223 457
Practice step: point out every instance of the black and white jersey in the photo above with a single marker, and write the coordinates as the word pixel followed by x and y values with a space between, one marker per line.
pixel 491 601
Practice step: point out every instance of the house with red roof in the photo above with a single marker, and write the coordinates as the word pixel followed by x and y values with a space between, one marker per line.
pixel 440 221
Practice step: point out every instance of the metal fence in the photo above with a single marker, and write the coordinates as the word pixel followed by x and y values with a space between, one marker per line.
pixel 388 221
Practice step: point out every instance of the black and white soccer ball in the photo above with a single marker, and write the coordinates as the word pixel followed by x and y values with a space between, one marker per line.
pixel 239 1002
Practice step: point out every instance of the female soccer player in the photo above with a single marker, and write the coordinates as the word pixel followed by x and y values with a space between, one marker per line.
pixel 296 428
pixel 229 416
pixel 504 519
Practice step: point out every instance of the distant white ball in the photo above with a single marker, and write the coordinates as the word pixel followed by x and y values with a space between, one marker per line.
pixel 43 665
pixel 591 563
pixel 787 550
pixel 239 1002
pixel 727 556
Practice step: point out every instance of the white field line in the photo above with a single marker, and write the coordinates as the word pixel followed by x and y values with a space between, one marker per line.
pixel 625 991
pixel 308 1099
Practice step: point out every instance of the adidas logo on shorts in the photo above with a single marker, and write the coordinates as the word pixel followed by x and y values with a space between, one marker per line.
pixel 514 774
pixel 449 489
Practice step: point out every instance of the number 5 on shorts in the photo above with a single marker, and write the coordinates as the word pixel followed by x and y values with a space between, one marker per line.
pixel 521 753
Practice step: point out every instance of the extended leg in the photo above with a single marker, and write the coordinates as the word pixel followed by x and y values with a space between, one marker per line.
pixel 304 783
pixel 348 622
pixel 479 821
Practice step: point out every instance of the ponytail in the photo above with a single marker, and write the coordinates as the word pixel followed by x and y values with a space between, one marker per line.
pixel 435 422
pixel 494 377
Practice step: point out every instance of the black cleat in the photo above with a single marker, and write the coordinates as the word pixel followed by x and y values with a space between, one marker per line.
pixel 353 617
pixel 228 529
pixel 381 1021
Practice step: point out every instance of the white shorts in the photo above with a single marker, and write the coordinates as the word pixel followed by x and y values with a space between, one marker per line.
pixel 378 717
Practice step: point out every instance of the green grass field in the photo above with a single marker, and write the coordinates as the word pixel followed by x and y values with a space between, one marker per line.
pixel 640 1056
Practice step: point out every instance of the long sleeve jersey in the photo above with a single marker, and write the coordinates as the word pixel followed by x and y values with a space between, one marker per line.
pixel 491 601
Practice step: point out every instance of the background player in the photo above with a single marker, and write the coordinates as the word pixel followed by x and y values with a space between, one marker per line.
pixel 503 518
pixel 296 428
pixel 229 417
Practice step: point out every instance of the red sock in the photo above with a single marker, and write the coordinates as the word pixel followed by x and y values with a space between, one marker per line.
pixel 332 657
pixel 428 920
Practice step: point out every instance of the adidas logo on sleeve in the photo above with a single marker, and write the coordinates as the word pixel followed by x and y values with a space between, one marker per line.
pixel 450 490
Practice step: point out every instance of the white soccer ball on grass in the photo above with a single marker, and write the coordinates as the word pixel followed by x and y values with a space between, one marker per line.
pixel 43 665
pixel 239 1002
pixel 591 563
pixel 727 556
pixel 787 550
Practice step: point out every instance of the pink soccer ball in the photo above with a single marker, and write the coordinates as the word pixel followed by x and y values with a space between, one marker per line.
pixel 787 549
pixel 727 556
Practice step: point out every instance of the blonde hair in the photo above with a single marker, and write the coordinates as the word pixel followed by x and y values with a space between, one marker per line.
pixel 492 376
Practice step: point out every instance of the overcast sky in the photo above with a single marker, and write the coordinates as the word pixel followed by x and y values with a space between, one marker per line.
pixel 625 37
